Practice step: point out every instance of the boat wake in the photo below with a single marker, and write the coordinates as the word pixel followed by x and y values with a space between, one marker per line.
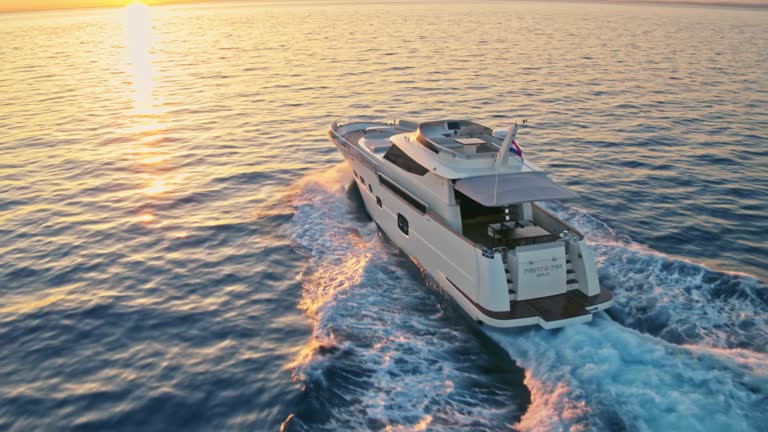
pixel 383 352
pixel 686 349
pixel 603 376
pixel 677 300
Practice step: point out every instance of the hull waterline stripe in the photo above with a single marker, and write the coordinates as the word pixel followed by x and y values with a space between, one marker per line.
pixel 499 315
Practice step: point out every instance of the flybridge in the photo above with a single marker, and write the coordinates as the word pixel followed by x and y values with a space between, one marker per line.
pixel 459 138
pixel 468 140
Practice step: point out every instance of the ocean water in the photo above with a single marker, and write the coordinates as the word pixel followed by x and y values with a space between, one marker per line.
pixel 181 247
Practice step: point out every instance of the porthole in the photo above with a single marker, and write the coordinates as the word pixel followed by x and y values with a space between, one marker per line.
pixel 402 223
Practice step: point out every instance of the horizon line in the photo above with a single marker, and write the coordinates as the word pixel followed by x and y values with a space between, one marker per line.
pixel 741 4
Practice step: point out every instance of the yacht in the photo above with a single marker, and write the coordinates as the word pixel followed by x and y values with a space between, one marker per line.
pixel 460 200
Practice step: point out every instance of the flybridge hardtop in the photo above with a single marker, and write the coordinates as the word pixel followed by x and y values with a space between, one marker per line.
pixel 460 199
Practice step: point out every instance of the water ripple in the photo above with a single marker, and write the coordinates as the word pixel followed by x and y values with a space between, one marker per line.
pixel 157 236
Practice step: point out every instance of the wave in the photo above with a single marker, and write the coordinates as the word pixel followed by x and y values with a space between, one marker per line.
pixel 685 349
pixel 384 352
pixel 672 298
pixel 603 376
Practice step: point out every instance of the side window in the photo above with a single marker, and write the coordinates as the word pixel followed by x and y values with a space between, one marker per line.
pixel 378 201
pixel 370 188
pixel 362 180
pixel 355 173
pixel 402 223
pixel 418 205
pixel 402 160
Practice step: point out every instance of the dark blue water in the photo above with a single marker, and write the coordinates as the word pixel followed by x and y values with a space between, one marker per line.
pixel 182 249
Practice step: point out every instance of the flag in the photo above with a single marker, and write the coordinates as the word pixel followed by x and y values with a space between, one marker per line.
pixel 514 148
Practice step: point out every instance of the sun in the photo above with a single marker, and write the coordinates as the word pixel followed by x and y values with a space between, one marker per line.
pixel 136 4
pixel 137 7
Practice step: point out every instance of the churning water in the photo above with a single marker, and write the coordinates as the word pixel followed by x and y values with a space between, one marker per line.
pixel 181 247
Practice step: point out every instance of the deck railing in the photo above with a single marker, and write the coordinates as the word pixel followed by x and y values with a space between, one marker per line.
pixel 353 149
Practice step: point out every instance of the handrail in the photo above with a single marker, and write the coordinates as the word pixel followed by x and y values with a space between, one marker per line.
pixel 344 121
pixel 353 146
pixel 566 224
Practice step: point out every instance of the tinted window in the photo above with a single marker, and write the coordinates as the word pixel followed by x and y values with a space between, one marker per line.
pixel 418 205
pixel 402 160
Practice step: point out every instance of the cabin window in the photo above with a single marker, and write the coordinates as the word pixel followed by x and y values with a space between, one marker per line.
pixel 418 205
pixel 402 160
pixel 370 188
pixel 362 180
pixel 402 223
pixel 355 173
pixel 378 201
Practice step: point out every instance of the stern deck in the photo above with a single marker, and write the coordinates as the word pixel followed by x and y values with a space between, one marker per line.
pixel 562 307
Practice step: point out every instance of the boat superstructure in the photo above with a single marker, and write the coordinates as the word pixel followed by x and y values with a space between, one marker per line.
pixel 459 198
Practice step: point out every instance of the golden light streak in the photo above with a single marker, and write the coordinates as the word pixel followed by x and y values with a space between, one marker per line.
pixel 157 187
pixel 146 130
pixel 145 217
pixel 137 28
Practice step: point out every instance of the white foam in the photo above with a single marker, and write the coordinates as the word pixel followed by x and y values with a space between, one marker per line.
pixel 383 352
pixel 607 377
pixel 678 300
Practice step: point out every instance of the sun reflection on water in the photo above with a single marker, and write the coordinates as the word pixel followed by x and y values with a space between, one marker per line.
pixel 146 130
pixel 137 28
pixel 145 217
pixel 157 187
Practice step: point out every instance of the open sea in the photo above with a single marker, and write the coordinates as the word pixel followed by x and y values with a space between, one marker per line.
pixel 181 247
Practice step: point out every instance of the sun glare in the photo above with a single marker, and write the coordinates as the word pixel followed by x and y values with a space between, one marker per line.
pixel 137 24
pixel 136 5
pixel 146 128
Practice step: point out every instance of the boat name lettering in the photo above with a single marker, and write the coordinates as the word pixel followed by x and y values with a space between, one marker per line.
pixel 542 270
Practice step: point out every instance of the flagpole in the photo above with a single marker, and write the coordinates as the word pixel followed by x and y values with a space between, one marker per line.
pixel 501 157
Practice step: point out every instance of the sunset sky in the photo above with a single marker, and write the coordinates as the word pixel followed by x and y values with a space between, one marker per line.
pixel 27 5
pixel 24 5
